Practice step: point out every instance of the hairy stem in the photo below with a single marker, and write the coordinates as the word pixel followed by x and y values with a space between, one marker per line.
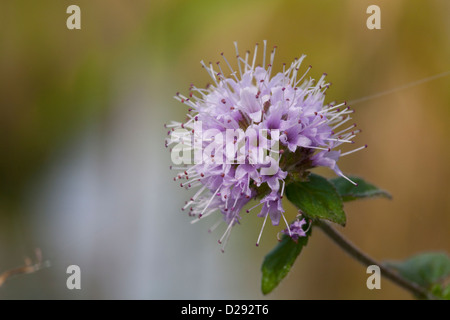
pixel 366 260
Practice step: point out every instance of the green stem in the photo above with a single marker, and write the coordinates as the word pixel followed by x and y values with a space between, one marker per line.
pixel 366 260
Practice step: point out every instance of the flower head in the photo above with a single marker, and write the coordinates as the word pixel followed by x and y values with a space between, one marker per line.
pixel 249 132
pixel 295 230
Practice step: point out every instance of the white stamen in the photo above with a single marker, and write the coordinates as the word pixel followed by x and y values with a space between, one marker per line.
pixel 233 73
pixel 237 55
pixel 318 148
pixel 342 131
pixel 234 205
pixel 215 225
pixel 230 225
pixel 331 108
pixel 338 114
pixel 220 69
pixel 178 168
pixel 246 61
pixel 198 192
pixel 203 216
pixel 264 55
pixel 272 55
pixel 255 207
pixel 210 71
pixel 339 140
pixel 354 150
pixel 346 178
pixel 341 123
pixel 254 57
pixel 209 202
pixel 262 228
pixel 287 224
pixel 224 244
pixel 306 72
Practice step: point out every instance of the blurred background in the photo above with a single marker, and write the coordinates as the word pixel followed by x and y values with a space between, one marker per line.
pixel 84 174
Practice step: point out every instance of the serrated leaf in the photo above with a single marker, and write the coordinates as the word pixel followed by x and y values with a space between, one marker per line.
pixel 424 269
pixel 279 261
pixel 317 198
pixel 350 192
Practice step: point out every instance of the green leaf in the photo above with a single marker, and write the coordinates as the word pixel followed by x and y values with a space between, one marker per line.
pixel 317 199
pixel 446 293
pixel 350 192
pixel 438 292
pixel 424 269
pixel 279 261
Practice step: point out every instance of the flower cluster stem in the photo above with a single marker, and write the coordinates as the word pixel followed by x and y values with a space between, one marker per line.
pixel 366 260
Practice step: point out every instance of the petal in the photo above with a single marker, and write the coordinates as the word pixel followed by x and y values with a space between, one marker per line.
pixel 303 141
pixel 248 102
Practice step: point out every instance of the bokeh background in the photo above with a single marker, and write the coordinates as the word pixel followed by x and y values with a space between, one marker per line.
pixel 84 173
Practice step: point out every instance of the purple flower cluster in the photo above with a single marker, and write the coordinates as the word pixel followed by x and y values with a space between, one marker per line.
pixel 288 105
pixel 296 230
